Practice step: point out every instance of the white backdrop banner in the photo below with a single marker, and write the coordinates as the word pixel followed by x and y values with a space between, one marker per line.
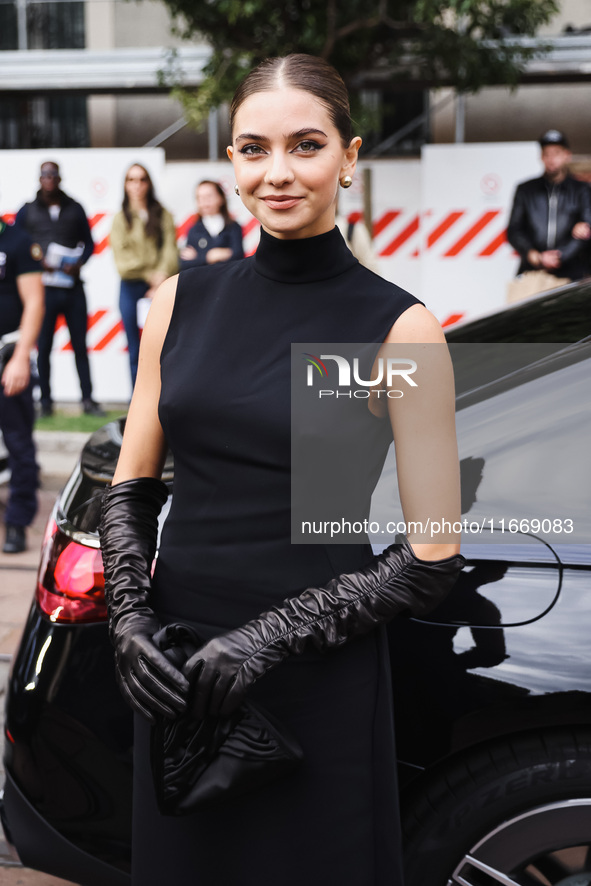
pixel 396 207
pixel 467 191
pixel 438 225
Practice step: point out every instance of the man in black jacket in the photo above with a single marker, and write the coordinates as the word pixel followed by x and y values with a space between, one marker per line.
pixel 59 226
pixel 551 216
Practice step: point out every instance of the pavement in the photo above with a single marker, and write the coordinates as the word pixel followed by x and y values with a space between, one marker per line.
pixel 57 454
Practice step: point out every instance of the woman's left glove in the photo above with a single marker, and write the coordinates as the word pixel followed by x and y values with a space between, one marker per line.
pixel 395 581
pixel 129 532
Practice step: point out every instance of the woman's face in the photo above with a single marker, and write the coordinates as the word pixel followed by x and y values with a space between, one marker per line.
pixel 136 184
pixel 288 158
pixel 209 201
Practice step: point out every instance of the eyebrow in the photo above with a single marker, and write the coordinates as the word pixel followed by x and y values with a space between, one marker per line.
pixel 300 133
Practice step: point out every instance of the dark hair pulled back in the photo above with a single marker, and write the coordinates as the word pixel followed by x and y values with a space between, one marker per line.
pixel 299 71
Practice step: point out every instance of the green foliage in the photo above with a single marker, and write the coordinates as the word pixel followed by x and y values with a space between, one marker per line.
pixel 458 47
pixel 464 43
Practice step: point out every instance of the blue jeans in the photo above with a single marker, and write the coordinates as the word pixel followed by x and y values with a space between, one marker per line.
pixel 130 293
pixel 17 416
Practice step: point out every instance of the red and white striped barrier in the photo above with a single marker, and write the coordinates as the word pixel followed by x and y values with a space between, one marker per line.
pixel 438 227
pixel 397 234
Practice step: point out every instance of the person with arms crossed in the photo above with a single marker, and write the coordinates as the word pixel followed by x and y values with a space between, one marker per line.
pixel 551 218
pixel 215 236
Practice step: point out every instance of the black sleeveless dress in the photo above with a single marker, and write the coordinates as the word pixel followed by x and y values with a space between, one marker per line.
pixel 226 556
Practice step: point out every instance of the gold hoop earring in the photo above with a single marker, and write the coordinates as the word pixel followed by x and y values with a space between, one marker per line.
pixel 346 181
pixel 236 190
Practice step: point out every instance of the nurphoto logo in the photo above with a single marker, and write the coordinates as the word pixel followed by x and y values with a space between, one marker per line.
pixel 389 369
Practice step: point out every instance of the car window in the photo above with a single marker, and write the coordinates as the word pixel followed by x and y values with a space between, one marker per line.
pixel 523 444
pixel 559 316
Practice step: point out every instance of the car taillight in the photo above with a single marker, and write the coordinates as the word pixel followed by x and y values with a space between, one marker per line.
pixel 70 585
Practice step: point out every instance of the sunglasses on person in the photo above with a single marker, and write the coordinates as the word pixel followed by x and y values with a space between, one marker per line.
pixel 52 174
pixel 136 179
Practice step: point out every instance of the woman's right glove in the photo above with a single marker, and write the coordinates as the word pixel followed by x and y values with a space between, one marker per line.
pixel 395 581
pixel 128 533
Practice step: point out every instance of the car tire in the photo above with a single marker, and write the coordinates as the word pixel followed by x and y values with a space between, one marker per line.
pixel 501 808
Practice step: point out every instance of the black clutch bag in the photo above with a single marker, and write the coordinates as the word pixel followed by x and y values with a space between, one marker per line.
pixel 195 762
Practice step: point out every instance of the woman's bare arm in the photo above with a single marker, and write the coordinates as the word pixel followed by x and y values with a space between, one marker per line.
pixel 423 423
pixel 143 450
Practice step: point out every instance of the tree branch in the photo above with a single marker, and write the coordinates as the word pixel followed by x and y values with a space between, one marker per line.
pixel 364 23
pixel 331 23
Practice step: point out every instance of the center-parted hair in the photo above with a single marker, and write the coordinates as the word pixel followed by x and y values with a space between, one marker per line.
pixel 153 225
pixel 299 71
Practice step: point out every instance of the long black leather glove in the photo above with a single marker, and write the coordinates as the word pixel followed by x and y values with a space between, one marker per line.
pixel 128 533
pixel 222 671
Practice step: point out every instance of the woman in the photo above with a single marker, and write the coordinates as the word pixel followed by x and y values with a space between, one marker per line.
pixel 214 384
pixel 214 237
pixel 143 240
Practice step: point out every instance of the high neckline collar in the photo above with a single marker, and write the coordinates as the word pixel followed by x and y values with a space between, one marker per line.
pixel 303 261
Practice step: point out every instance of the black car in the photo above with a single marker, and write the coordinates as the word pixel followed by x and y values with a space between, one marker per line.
pixel 557 315
pixel 492 693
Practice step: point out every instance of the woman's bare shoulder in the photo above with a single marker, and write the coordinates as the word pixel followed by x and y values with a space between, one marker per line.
pixel 416 324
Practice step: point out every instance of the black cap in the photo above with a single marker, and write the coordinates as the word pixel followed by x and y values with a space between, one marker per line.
pixel 554 137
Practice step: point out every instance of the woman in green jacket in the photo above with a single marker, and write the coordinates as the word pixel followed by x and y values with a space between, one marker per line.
pixel 143 240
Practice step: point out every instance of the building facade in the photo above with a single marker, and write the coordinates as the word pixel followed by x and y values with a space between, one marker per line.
pixel 87 73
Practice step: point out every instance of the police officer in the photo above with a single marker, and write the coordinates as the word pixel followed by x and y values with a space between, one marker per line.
pixel 21 310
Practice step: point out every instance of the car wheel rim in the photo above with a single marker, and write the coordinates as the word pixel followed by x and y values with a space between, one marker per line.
pixel 546 846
